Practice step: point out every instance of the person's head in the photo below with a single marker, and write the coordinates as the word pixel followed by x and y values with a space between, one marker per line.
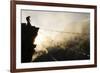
pixel 28 18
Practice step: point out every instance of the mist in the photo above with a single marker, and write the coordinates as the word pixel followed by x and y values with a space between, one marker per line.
pixel 72 41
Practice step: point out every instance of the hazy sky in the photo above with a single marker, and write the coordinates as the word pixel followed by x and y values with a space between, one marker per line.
pixel 62 21
pixel 49 22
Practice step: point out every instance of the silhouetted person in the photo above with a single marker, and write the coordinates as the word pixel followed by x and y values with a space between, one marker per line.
pixel 28 35
pixel 28 21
